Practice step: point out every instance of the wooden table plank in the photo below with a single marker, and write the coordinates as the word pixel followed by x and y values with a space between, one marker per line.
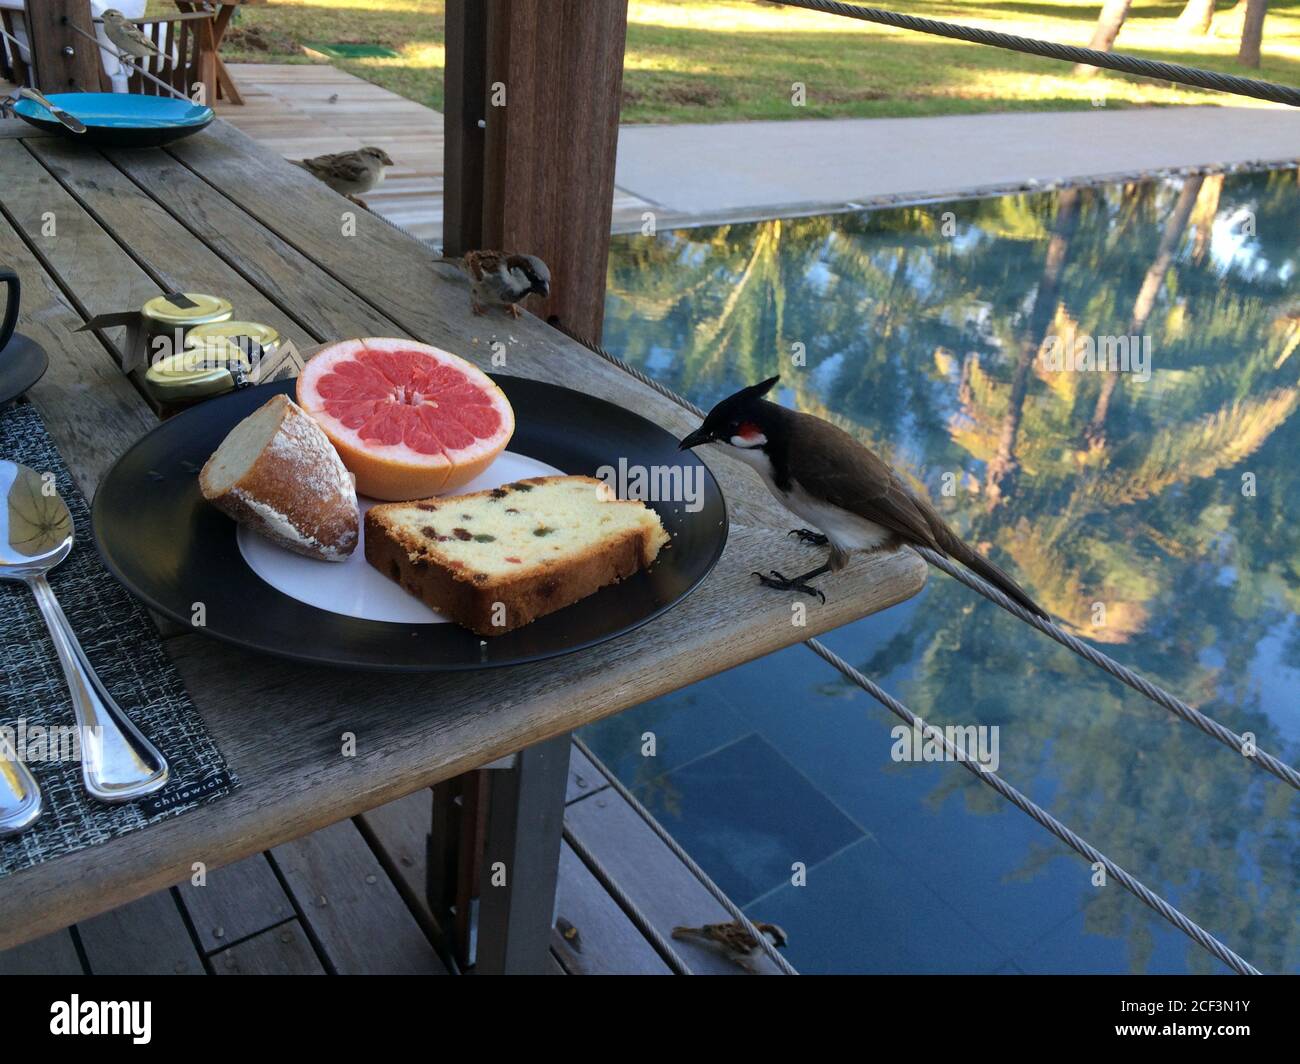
pixel 98 272
pixel 279 724
pixel 260 257
pixel 14 128
pixel 171 254
pixel 91 410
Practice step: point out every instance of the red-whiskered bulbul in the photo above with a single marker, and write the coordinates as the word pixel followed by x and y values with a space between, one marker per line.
pixel 822 474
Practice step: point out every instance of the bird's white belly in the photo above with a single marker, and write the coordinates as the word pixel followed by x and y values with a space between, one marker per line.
pixel 845 530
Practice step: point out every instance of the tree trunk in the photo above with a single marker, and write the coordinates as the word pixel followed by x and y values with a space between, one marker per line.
pixel 1004 465
pixel 1252 32
pixel 1095 433
pixel 1196 17
pixel 1113 14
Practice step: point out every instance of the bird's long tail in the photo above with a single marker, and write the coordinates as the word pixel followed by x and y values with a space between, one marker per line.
pixel 956 548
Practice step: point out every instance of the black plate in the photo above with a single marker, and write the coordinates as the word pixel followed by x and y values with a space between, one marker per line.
pixel 171 549
pixel 22 364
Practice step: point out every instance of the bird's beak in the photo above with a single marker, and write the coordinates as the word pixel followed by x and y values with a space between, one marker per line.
pixel 696 438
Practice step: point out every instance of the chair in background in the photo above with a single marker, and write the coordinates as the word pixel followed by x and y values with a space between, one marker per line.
pixel 14 64
pixel 188 56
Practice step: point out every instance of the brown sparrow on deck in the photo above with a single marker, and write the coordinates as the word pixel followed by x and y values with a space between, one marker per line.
pixel 350 173
pixel 732 941
pixel 501 279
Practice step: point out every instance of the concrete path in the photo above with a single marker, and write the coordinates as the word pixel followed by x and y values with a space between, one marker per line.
pixel 699 173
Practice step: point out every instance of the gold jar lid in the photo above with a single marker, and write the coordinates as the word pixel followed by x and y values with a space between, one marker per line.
pixel 194 309
pixel 220 334
pixel 198 372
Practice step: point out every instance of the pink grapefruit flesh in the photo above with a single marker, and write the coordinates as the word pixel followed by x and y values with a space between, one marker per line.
pixel 407 419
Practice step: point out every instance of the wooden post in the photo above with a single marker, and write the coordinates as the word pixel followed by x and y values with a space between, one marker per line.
pixel 63 59
pixel 465 82
pixel 547 80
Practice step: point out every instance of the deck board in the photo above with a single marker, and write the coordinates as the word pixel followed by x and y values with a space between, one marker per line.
pixel 287 107
pixel 357 905
pixel 657 882
pixel 353 910
pixel 54 954
pixel 282 950
pixel 146 937
pixel 235 902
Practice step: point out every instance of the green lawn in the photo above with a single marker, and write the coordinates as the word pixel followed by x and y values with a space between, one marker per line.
pixel 696 61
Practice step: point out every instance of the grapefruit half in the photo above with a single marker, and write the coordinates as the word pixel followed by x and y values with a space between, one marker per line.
pixel 409 420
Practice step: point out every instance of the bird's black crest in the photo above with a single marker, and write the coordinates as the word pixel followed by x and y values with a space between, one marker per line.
pixel 755 391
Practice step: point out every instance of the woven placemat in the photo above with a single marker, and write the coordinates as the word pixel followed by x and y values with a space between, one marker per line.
pixel 123 645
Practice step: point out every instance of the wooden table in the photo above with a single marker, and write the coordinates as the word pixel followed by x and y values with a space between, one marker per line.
pixel 222 12
pixel 217 213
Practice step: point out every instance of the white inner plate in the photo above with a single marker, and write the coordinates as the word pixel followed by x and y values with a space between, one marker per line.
pixel 355 588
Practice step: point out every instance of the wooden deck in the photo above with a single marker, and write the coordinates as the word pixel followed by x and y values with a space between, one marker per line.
pixel 303 110
pixel 349 900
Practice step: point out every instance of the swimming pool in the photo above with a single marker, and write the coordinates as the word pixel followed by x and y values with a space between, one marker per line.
pixel 1156 509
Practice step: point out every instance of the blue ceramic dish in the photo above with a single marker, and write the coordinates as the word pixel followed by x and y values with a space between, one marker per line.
pixel 120 120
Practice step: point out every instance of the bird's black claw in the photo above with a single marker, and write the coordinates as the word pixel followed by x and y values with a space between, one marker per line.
pixel 807 535
pixel 781 583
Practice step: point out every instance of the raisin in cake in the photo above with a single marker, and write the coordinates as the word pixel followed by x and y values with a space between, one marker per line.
pixel 278 473
pixel 495 560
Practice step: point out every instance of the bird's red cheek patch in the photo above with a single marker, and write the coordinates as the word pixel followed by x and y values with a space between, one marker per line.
pixel 749 432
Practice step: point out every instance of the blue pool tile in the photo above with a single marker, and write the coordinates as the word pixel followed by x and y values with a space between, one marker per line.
pixel 746 815
pixel 989 861
pixel 863 911
pixel 687 724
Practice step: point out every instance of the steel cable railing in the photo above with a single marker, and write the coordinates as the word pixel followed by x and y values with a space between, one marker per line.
pixel 1128 64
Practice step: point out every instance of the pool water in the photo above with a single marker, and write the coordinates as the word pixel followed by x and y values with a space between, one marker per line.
pixel 1155 509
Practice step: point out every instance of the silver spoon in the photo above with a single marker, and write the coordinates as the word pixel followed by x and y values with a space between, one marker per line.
pixel 117 762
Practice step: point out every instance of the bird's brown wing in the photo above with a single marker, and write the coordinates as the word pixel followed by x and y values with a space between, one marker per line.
pixel 342 166
pixel 832 465
pixel 480 263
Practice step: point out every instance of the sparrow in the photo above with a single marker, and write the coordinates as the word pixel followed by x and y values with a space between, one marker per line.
pixel 127 36
pixel 500 279
pixel 732 941
pixel 350 173
pixel 821 473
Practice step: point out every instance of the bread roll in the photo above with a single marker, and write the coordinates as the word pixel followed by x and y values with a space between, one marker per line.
pixel 278 473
